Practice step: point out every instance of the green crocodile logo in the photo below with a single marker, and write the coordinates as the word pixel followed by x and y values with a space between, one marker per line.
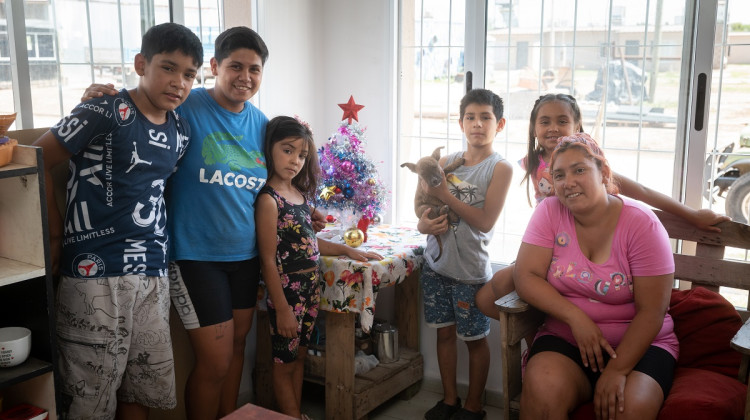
pixel 225 148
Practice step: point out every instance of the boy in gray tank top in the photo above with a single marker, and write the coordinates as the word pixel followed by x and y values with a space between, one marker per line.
pixel 476 192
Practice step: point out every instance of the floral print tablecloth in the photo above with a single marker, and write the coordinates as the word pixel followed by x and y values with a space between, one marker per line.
pixel 352 286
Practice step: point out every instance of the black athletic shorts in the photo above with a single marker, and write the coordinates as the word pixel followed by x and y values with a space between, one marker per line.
pixel 656 363
pixel 205 292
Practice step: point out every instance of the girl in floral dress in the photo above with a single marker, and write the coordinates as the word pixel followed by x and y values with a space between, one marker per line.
pixel 289 252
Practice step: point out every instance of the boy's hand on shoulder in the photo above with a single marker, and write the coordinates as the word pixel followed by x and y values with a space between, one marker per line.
pixel 97 90
pixel 436 226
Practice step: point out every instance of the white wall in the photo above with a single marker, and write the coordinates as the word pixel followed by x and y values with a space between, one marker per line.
pixel 321 52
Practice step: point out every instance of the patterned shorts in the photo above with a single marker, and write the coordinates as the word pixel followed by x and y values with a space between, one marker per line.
pixel 448 302
pixel 302 292
pixel 114 345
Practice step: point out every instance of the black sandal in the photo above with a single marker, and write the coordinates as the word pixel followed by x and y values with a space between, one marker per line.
pixel 442 411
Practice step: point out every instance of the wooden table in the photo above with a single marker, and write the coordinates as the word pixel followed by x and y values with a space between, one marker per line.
pixel 348 288
pixel 253 412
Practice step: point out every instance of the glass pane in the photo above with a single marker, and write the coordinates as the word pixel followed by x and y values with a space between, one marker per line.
pixel 43 71
pixel 6 91
pixel 203 18
pixel 72 31
pixel 729 133
pixel 411 14
pixel 4 45
pixel 457 33
pixel 558 21
pixel 161 10
pixel 44 93
pixel 409 117
pixel 31 46
pixel 132 32
pixel 436 22
pixel 46 46
pixel 528 15
pixel 540 47
pixel 431 86
pixel 500 15
pixel 70 46
pixel 105 35
pixel 76 78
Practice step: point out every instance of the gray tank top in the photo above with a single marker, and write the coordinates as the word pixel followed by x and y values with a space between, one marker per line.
pixel 465 256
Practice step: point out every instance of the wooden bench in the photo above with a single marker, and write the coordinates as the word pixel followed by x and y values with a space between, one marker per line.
pixel 707 268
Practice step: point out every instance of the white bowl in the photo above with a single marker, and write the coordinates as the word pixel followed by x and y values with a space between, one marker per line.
pixel 15 344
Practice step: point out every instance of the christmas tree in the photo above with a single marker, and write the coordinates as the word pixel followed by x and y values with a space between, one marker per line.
pixel 350 184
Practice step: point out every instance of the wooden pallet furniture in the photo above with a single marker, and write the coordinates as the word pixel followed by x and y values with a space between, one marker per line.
pixel 253 412
pixel 708 270
pixel 26 283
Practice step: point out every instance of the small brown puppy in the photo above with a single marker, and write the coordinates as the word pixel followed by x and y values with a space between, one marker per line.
pixel 428 168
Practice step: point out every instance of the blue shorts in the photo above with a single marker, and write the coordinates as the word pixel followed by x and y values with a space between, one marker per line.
pixel 448 302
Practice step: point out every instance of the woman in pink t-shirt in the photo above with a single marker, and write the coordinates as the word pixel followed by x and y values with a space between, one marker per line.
pixel 600 266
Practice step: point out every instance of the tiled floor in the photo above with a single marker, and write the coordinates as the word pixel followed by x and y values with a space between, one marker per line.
pixel 395 409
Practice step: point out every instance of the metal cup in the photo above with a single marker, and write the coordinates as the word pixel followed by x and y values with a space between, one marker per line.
pixel 385 338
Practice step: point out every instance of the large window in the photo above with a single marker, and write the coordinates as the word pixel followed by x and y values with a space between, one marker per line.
pixel 633 67
pixel 69 45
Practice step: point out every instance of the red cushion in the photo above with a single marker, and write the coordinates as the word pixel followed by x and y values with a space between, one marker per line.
pixel 701 394
pixel 705 323
pixel 695 394
pixel 705 384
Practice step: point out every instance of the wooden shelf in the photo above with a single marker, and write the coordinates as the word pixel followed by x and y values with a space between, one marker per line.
pixel 39 390
pixel 24 162
pixel 14 271
pixel 22 218
pixel 25 283
pixel 16 169
pixel 31 368
pixel 378 384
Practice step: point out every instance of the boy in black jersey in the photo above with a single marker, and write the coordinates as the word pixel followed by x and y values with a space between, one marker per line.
pixel 111 249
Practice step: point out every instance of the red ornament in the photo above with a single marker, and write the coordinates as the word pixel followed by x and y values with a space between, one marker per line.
pixel 330 218
pixel 351 109
pixel 362 225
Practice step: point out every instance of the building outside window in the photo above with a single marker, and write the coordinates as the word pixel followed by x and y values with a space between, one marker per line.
pixel 69 46
pixel 628 63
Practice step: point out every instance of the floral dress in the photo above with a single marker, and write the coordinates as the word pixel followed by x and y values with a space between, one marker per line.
pixel 296 250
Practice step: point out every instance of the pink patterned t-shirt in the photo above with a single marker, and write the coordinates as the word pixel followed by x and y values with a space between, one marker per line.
pixel 640 247
pixel 541 178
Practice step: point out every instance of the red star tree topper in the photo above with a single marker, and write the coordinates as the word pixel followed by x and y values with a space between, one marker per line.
pixel 351 109
pixel 350 184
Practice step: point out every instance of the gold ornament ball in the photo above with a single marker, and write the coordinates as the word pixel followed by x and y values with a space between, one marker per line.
pixel 371 181
pixel 354 237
